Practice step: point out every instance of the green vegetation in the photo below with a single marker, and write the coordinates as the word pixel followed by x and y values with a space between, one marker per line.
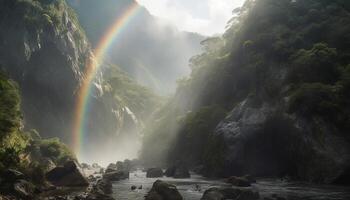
pixel 300 63
pixel 39 15
pixel 24 151
pixel 127 93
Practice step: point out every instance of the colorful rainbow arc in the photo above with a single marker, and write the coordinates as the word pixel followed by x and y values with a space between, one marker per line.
pixel 92 68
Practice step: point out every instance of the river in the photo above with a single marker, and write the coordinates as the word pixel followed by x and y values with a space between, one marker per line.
pixel 266 187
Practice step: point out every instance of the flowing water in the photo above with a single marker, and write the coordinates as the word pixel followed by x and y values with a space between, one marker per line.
pixel 266 187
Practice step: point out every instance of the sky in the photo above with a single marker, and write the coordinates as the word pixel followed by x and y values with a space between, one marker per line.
pixel 207 17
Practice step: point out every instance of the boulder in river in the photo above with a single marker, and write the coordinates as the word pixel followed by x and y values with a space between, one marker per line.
pixel 239 181
pixel 68 175
pixel 154 173
pixel 11 176
pixel 163 191
pixel 230 193
pixel 179 171
pixel 24 189
pixel 116 175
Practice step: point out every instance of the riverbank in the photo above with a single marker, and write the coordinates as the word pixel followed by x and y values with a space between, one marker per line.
pixel 188 188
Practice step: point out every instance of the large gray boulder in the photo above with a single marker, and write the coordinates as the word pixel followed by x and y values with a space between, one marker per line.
pixel 230 193
pixel 178 171
pixel 154 173
pixel 163 191
pixel 116 175
pixel 68 175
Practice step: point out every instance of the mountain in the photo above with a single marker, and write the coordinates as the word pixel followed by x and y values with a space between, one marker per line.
pixel 152 52
pixel 45 50
pixel 270 102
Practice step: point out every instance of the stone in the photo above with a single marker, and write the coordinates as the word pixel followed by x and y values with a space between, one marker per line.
pixel 116 175
pixel 11 176
pixel 69 175
pixel 133 187
pixel 163 191
pixel 230 193
pixel 24 189
pixel 238 181
pixel 154 173
pixel 177 171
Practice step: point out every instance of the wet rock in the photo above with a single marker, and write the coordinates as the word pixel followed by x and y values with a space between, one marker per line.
pixel 11 176
pixel 163 191
pixel 170 171
pixel 179 171
pixel 24 189
pixel 250 178
pixel 68 175
pixel 262 140
pixel 85 166
pixel 47 164
pixel 230 193
pixel 154 173
pixel 105 186
pixel 100 191
pixel 182 172
pixel 111 168
pixel 239 181
pixel 116 175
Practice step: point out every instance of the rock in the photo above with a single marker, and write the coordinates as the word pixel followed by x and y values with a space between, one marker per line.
pixel 250 178
pixel 182 172
pixel 133 187
pixel 105 186
pixel 170 171
pixel 68 175
pixel 154 173
pixel 262 140
pixel 47 164
pixel 140 187
pixel 100 191
pixel 11 176
pixel 24 189
pixel 163 191
pixel 230 193
pixel 85 166
pixel 116 175
pixel 239 181
pixel 111 168
pixel 178 171
pixel 96 166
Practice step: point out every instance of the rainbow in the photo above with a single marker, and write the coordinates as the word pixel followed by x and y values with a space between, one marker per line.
pixel 81 108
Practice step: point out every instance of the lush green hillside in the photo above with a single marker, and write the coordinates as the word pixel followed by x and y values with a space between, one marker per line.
pixel 282 70
pixel 24 151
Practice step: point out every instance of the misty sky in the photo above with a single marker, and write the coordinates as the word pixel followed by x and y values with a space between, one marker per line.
pixel 207 17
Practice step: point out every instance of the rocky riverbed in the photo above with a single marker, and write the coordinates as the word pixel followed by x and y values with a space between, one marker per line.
pixel 194 187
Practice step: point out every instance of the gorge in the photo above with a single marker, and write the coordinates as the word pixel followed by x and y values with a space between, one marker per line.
pixel 97 97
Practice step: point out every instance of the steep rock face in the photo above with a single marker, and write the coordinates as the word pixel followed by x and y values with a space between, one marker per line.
pixel 263 141
pixel 44 50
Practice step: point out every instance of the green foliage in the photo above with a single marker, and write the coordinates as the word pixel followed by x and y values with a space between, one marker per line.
pixel 9 107
pixel 19 150
pixel 127 93
pixel 275 50
pixel 310 99
pixel 58 152
pixel 195 137
pixel 315 65
pixel 38 15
